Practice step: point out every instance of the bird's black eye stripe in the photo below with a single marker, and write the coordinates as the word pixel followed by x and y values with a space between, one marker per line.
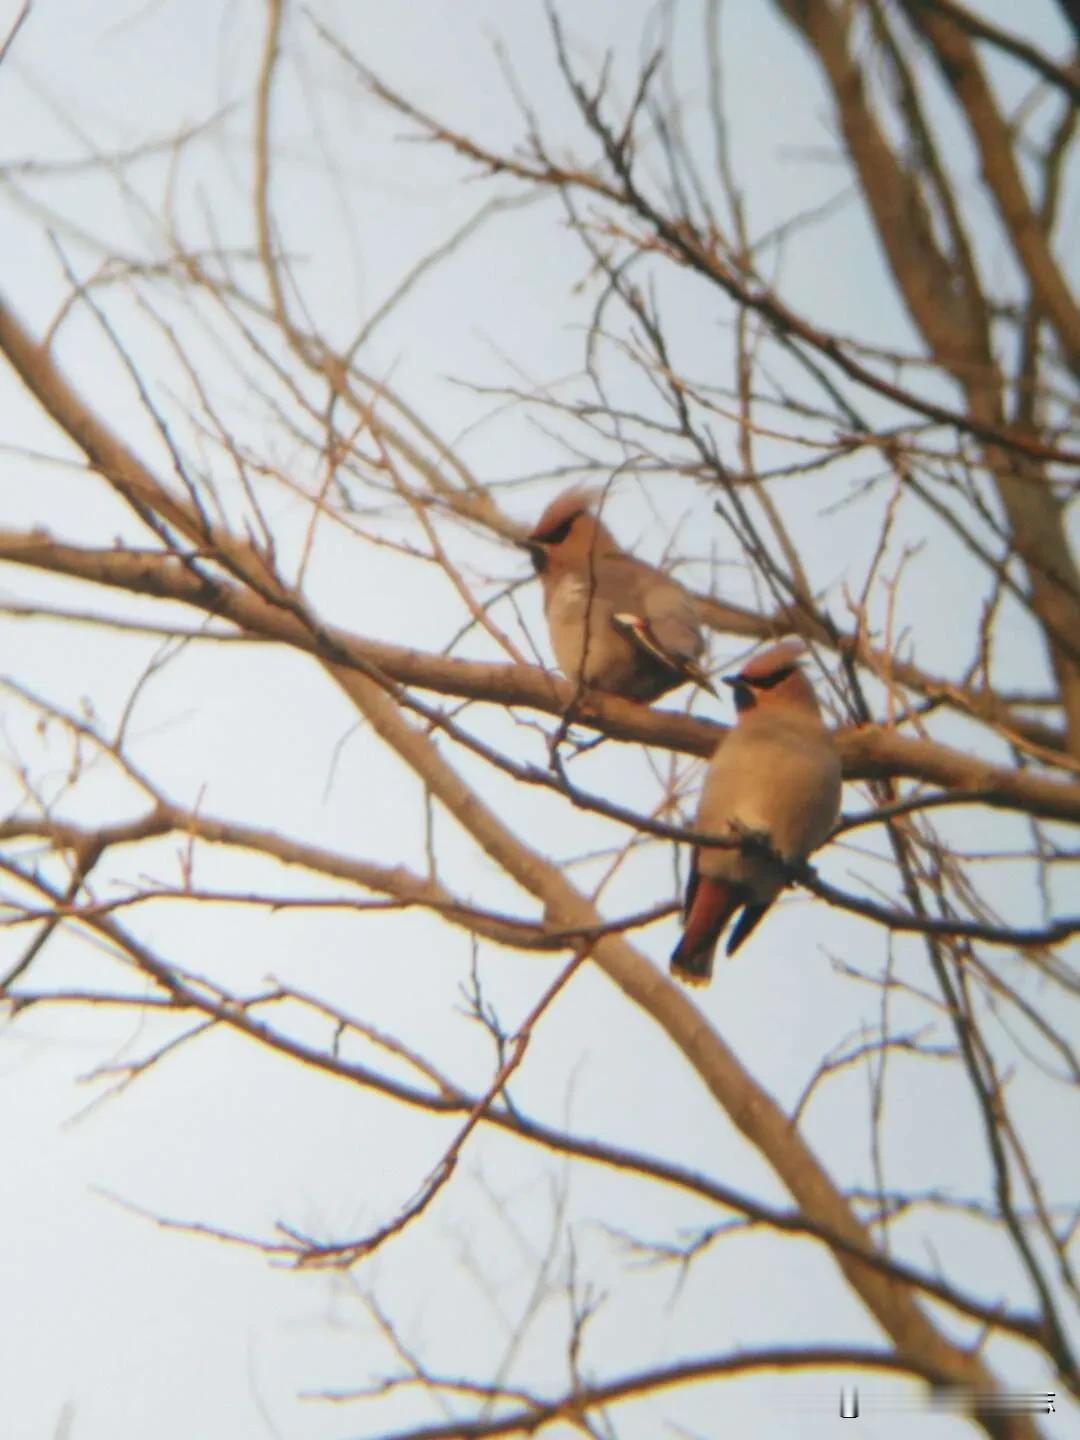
pixel 766 682
pixel 558 535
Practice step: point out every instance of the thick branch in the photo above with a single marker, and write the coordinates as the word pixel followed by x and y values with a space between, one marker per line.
pixel 1066 78
pixel 749 1107
pixel 959 63
pixel 954 322
pixel 538 1413
pixel 867 752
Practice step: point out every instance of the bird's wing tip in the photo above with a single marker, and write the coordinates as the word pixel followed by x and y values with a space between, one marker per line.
pixel 637 628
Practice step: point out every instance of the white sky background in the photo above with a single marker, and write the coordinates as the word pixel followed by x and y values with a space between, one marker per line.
pixel 130 1330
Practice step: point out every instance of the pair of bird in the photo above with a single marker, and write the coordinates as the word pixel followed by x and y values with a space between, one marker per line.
pixel 620 625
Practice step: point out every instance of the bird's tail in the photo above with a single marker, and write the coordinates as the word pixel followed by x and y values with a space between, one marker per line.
pixel 747 920
pixel 712 904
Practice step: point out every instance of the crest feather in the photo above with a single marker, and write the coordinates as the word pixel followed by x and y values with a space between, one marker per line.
pixel 575 501
pixel 777 657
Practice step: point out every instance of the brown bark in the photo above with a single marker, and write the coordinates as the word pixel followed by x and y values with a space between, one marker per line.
pixel 953 319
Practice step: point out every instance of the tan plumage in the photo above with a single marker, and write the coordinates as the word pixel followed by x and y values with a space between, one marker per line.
pixel 775 774
pixel 616 623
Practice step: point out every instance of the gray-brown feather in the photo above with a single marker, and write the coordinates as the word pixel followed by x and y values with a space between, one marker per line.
pixel 618 584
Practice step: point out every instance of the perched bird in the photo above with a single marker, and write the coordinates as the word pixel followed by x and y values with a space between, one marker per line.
pixel 775 776
pixel 616 623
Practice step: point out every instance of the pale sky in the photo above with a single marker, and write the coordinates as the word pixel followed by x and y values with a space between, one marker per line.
pixel 117 1327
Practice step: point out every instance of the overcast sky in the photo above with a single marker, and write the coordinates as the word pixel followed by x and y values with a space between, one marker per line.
pixel 116 1327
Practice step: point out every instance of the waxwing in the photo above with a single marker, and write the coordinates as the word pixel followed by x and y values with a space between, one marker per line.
pixel 775 775
pixel 616 623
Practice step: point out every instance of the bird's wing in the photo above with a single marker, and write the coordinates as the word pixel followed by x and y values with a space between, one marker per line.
pixel 672 619
pixel 659 616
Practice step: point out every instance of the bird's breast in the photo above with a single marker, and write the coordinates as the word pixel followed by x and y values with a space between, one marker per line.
pixel 567 598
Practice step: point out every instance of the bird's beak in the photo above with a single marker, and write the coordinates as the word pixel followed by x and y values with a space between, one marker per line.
pixel 732 680
pixel 537 553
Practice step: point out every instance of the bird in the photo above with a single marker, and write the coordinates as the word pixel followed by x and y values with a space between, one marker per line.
pixel 617 624
pixel 776 778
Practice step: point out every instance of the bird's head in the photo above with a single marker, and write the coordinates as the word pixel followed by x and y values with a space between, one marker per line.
pixel 567 534
pixel 773 681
